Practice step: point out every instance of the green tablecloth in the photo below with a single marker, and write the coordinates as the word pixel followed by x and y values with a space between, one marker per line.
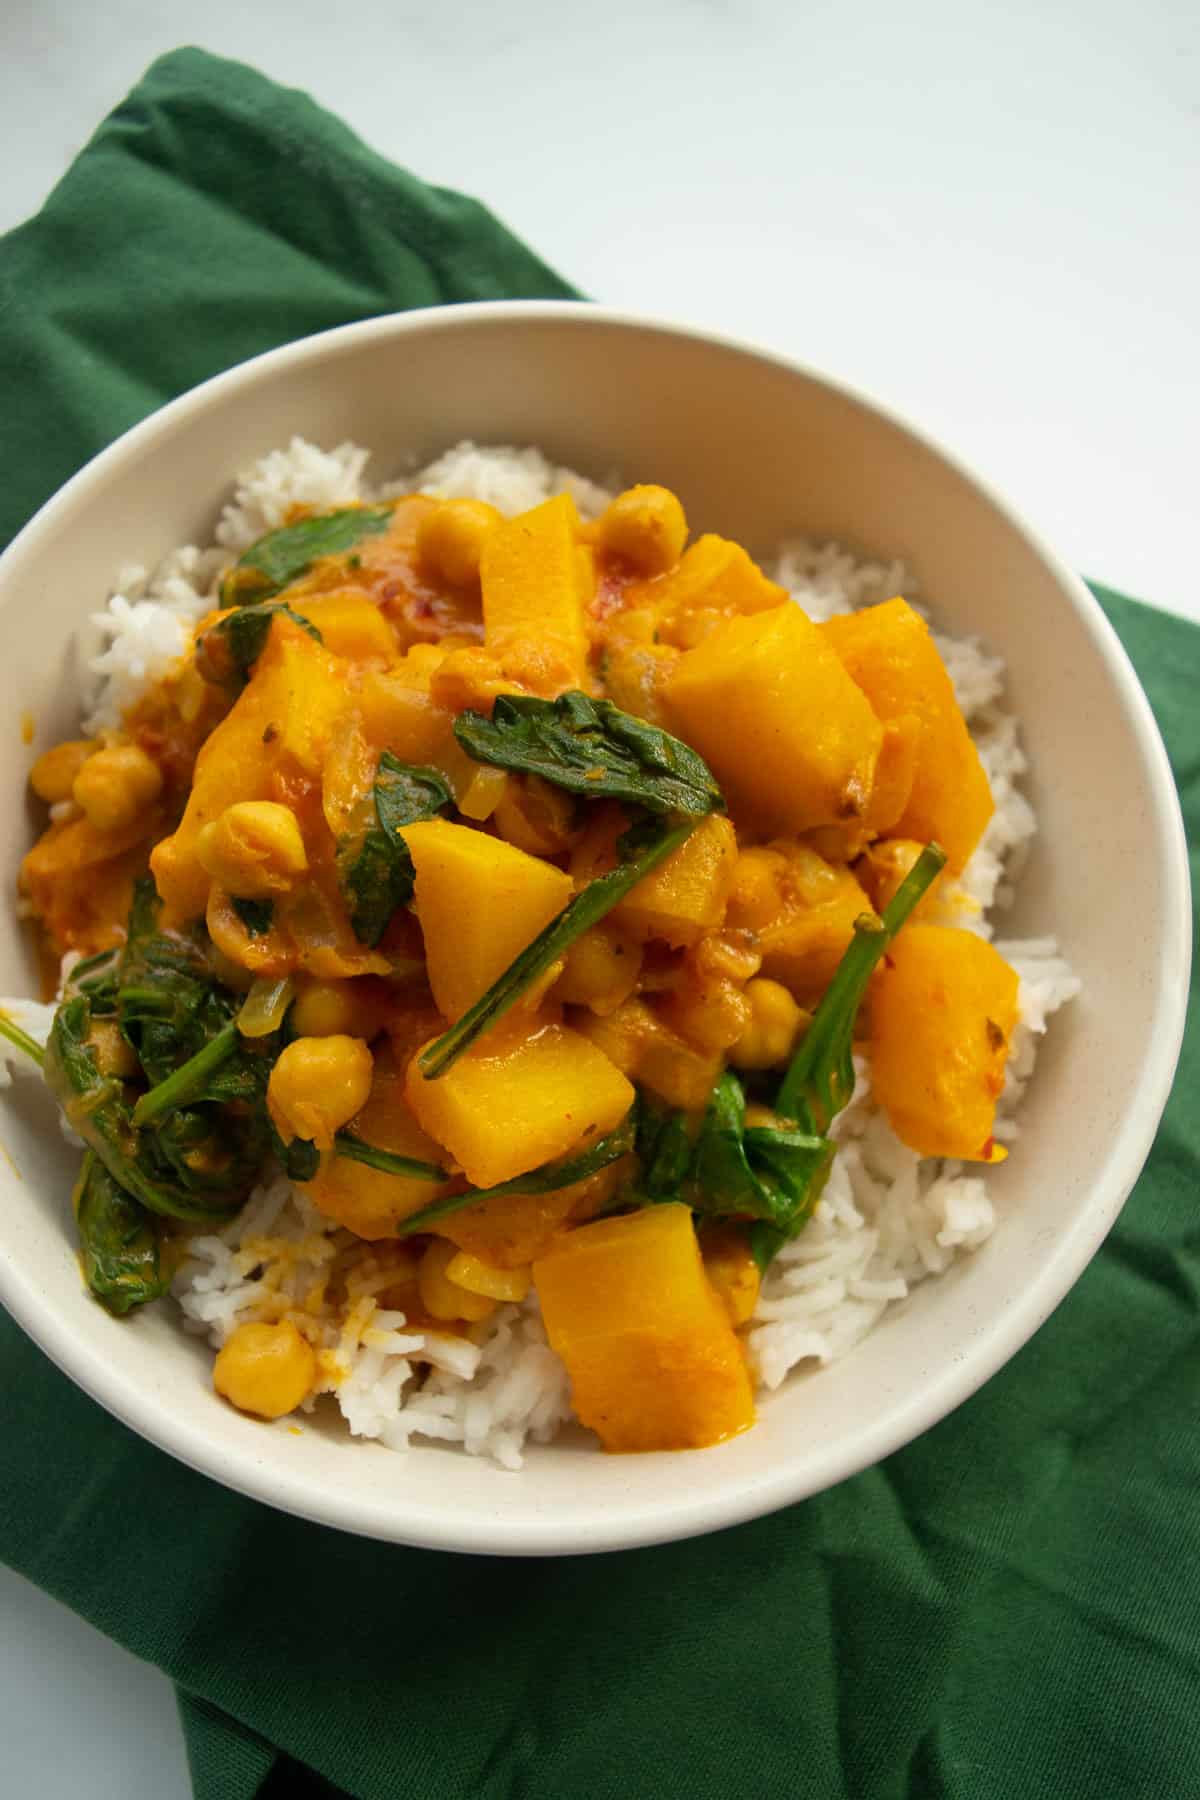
pixel 1009 1607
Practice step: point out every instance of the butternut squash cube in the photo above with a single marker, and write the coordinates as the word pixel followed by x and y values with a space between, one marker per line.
pixel 943 1008
pixel 803 909
pixel 535 588
pixel 713 580
pixel 686 896
pixel 888 651
pixel 351 626
pixel 788 735
pixel 399 713
pixel 519 1099
pixel 683 898
pixel 644 1047
pixel 511 1230
pixel 480 902
pixel 278 727
pixel 366 1201
pixel 652 1355
pixel 887 800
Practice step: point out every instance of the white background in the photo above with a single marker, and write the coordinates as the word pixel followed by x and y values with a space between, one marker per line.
pixel 987 215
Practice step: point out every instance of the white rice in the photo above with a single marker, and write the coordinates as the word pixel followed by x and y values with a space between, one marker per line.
pixel 887 1221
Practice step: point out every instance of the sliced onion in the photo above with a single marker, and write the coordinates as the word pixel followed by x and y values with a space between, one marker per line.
pixel 265 1005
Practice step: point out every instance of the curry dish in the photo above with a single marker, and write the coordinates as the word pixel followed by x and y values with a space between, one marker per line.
pixel 522 888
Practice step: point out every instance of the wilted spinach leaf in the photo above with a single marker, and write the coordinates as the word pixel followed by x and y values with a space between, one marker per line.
pixel 228 650
pixel 167 1001
pixel 375 871
pixel 283 555
pixel 97 1110
pixel 664 1148
pixel 118 1240
pixel 255 915
pixel 591 748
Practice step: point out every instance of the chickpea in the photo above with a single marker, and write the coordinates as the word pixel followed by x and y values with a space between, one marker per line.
pixel 647 527
pixel 265 1369
pixel 115 785
pixel 52 776
pixel 450 539
pixel 254 850
pixel 711 1017
pixel 602 969
pixel 443 1298
pixel 734 954
pixel 317 1086
pixel 535 816
pixel 775 1022
pixel 757 896
pixel 338 1009
pixel 470 677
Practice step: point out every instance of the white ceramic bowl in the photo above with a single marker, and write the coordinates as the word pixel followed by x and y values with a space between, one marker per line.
pixel 758 448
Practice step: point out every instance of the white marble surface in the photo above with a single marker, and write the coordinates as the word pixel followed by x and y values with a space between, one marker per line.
pixel 985 215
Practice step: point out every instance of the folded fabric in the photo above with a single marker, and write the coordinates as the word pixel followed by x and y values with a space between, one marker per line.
pixel 1006 1608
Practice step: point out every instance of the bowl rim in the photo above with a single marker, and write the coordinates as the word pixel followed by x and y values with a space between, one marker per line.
pixel 708 1507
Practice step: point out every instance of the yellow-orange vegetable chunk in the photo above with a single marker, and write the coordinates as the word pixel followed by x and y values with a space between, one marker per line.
pixel 943 1008
pixel 730 1266
pixel 652 1355
pixel 480 902
pixel 398 713
pixel 890 654
pixel 647 1049
pixel 80 881
pixel 510 1230
pixel 803 910
pixel 278 727
pixel 520 1098
pixel 883 867
pixel 788 735
pixel 367 1201
pixel 351 626
pixel 715 580
pixel 887 800
pixel 534 592
pixel 683 898
pixel 686 895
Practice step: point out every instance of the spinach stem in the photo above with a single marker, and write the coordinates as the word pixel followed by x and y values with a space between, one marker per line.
pixel 389 1162
pixel 21 1040
pixel 575 1166
pixel 820 1079
pixel 587 908
pixel 184 1083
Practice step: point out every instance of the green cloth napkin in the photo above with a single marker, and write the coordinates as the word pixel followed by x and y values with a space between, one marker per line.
pixel 1009 1607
